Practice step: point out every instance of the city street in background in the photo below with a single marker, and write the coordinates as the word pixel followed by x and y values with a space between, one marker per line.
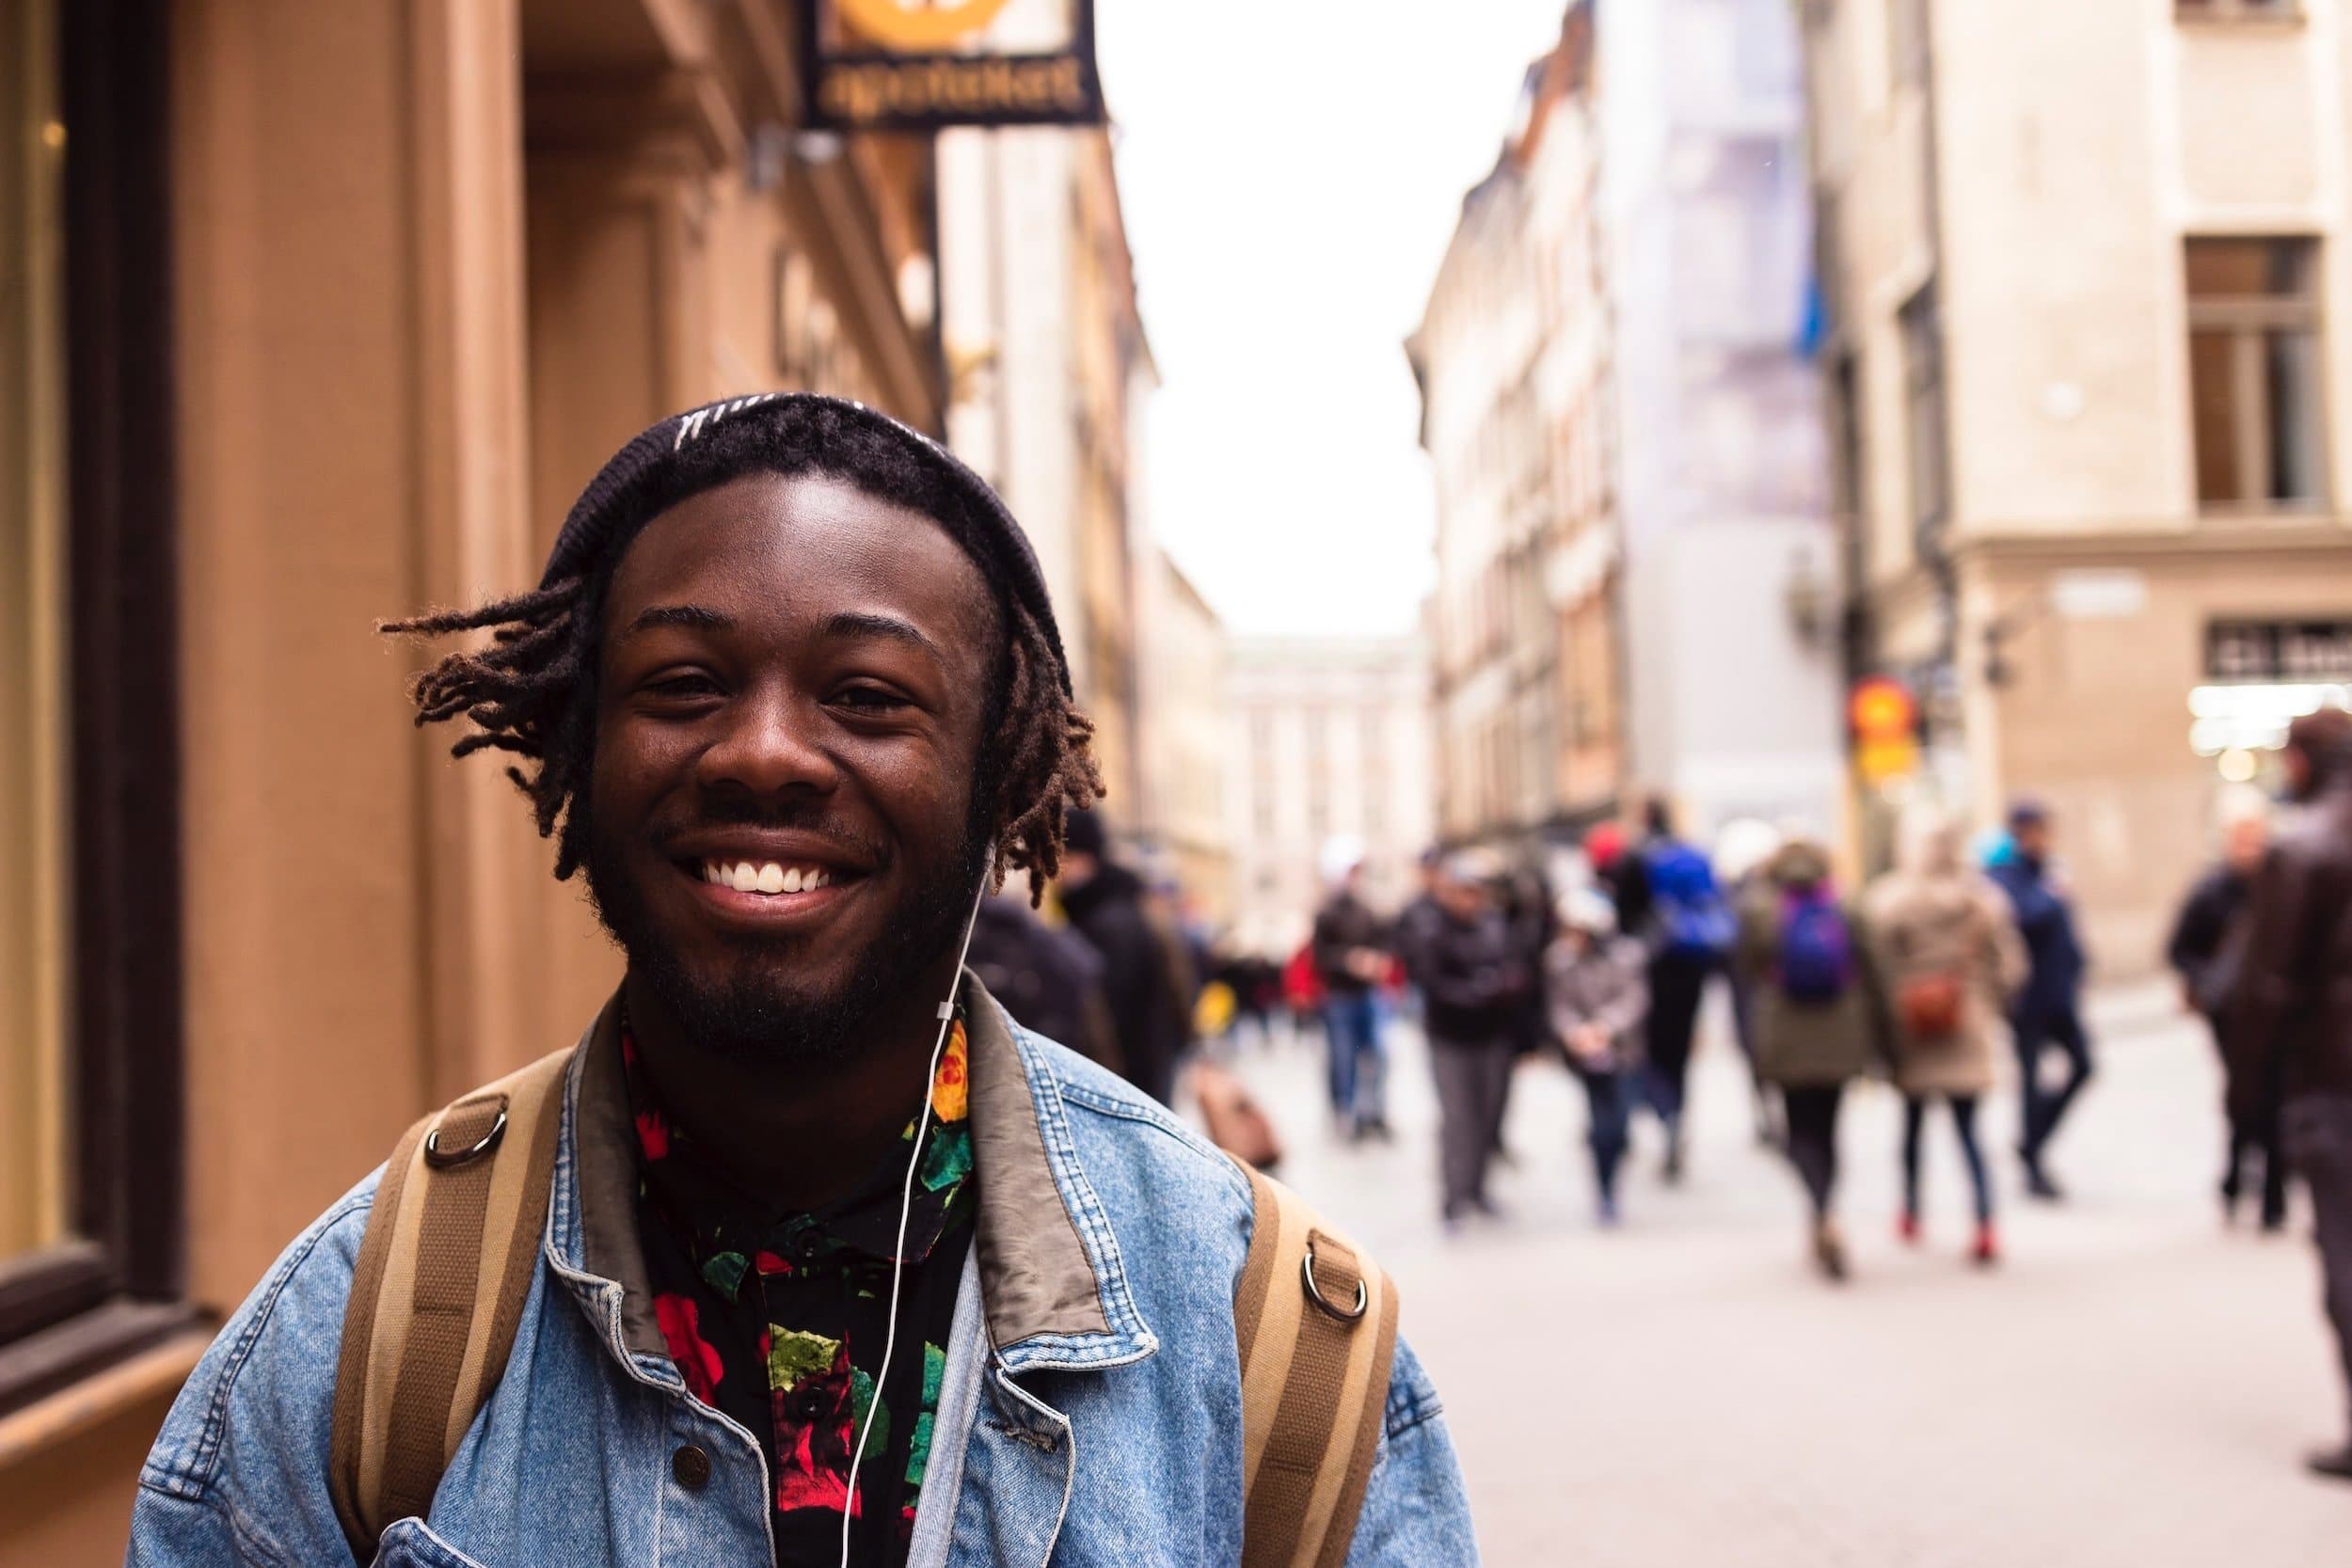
pixel 2128 1388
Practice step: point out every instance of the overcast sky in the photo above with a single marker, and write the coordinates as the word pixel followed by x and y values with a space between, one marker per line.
pixel 1291 170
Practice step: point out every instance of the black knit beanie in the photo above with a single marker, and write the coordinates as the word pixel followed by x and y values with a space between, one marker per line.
pixel 787 432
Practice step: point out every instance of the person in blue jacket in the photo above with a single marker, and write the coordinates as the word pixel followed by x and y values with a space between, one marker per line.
pixel 2047 1013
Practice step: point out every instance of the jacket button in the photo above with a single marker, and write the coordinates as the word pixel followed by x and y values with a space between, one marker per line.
pixel 692 1468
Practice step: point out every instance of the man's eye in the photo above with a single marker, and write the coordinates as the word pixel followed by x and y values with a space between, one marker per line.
pixel 871 699
pixel 688 685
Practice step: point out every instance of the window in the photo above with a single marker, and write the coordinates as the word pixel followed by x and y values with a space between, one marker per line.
pixel 89 974
pixel 1923 402
pixel 2239 10
pixel 32 639
pixel 2253 353
pixel 1908 39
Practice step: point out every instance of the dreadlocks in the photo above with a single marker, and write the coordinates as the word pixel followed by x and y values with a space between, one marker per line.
pixel 531 690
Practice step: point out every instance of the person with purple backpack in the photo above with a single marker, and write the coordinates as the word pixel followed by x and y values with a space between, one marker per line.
pixel 1819 1019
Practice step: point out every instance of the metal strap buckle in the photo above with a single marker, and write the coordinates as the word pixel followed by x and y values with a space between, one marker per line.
pixel 441 1160
pixel 1315 1291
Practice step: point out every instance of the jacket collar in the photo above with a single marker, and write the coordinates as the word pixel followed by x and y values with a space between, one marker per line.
pixel 1053 1280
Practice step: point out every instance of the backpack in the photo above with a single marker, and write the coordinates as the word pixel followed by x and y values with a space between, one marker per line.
pixel 1691 917
pixel 453 1243
pixel 1817 949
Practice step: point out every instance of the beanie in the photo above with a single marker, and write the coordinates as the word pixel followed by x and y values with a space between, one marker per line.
pixel 637 482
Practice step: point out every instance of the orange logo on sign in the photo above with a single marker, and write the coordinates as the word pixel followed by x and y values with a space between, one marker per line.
pixel 916 24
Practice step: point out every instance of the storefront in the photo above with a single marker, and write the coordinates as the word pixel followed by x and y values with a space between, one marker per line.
pixel 312 314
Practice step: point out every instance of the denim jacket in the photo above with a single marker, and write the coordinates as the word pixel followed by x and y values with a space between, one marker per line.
pixel 1092 1378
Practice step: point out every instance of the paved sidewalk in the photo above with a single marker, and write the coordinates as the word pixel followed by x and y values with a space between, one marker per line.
pixel 2133 1387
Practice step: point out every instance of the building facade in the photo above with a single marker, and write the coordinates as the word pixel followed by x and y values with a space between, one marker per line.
pixel 359 296
pixel 1733 675
pixel 1050 371
pixel 1187 731
pixel 2094 405
pixel 1512 356
pixel 1330 739
pixel 1624 433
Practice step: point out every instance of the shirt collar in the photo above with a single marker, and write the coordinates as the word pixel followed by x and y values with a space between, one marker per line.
pixel 1052 1278
pixel 729 1229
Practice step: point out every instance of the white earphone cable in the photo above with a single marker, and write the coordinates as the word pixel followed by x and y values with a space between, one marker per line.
pixel 906 1207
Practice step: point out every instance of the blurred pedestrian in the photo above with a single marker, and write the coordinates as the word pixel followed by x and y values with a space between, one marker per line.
pixel 1817 1021
pixel 2047 1014
pixel 2292 1003
pixel 1418 921
pixel 1049 979
pixel 1474 986
pixel 1667 895
pixel 1144 972
pixel 1948 958
pixel 1302 994
pixel 1529 917
pixel 1604 850
pixel 1741 849
pixel 1351 958
pixel 2205 958
pixel 1595 997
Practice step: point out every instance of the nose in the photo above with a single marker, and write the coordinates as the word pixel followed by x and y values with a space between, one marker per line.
pixel 773 744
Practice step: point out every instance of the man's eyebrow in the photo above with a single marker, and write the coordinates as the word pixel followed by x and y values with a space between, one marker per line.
pixel 697 617
pixel 867 622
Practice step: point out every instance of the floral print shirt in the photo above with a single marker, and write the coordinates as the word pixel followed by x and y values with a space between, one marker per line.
pixel 777 1320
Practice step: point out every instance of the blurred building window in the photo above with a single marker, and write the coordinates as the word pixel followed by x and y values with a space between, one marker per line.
pixel 2237 10
pixel 2254 371
pixel 1923 405
pixel 1908 37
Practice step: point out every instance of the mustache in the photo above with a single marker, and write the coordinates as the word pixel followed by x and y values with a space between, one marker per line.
pixel 732 811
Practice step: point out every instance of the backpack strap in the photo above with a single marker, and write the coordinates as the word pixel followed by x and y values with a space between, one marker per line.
pixel 1316 1321
pixel 451 1244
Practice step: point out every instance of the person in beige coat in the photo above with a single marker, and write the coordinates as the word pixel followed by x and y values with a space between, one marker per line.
pixel 1950 959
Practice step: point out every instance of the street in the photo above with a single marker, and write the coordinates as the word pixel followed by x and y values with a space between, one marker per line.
pixel 2132 1385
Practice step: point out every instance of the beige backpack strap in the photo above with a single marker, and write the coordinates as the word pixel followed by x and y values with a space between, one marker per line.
pixel 1316 1320
pixel 450 1247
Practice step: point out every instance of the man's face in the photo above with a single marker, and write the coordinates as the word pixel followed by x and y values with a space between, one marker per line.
pixel 2033 838
pixel 793 681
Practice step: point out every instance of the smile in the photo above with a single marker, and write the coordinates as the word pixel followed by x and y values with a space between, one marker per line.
pixel 769 877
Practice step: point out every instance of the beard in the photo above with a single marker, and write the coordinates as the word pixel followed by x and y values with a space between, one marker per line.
pixel 754 1012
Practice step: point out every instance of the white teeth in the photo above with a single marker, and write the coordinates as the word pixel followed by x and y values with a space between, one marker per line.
pixel 767 877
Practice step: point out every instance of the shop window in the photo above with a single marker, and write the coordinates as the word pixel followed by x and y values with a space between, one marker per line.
pixel 2254 372
pixel 89 894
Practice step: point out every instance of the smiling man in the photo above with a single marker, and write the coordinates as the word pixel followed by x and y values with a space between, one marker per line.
pixel 805 1253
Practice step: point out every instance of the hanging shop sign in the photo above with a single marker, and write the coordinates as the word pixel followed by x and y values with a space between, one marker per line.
pixel 1885 723
pixel 2279 652
pixel 926 65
